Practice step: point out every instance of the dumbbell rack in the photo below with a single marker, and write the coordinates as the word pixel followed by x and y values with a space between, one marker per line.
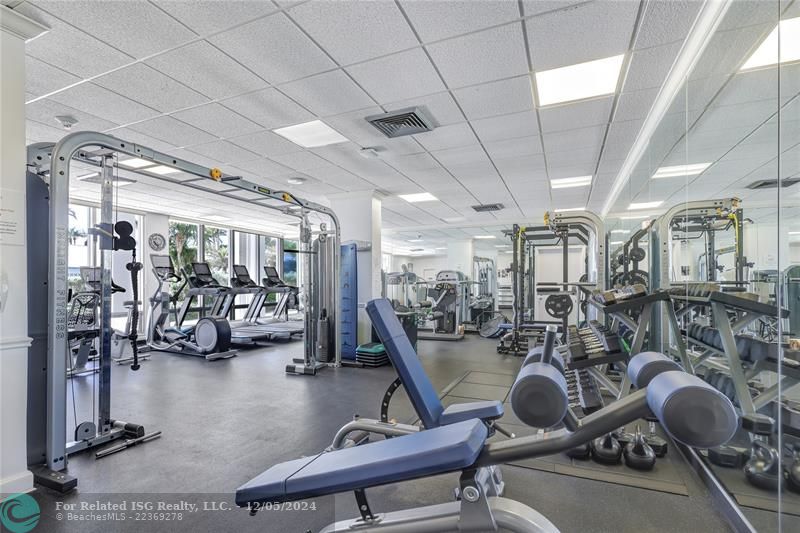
pixel 745 312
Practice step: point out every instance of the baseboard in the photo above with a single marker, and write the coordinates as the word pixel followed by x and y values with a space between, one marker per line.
pixel 21 482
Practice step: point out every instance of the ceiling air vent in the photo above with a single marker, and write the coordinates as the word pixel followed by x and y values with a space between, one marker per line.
pixel 402 122
pixel 772 184
pixel 482 208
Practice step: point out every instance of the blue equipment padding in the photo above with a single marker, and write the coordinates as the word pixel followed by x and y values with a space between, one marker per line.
pixel 427 453
pixel 420 390
pixel 349 292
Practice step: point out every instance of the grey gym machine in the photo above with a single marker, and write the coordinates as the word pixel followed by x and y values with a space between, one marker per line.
pixel 48 446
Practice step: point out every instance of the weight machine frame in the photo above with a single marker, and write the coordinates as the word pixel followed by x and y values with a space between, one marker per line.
pixel 55 160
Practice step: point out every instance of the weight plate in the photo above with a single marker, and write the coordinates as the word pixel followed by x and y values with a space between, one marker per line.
pixel 558 305
pixel 637 254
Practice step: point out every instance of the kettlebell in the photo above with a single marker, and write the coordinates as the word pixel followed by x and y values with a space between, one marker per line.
pixel 762 469
pixel 606 450
pixel 581 452
pixel 638 454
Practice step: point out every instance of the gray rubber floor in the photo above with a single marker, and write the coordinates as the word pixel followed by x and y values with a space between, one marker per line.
pixel 226 421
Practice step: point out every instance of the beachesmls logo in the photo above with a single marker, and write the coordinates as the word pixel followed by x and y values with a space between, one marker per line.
pixel 19 513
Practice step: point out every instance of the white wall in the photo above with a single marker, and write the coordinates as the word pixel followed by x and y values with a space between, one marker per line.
pixel 426 267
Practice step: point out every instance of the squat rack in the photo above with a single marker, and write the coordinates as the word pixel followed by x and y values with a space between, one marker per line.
pixel 59 156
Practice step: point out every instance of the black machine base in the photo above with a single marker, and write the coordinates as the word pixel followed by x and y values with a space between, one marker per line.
pixel 57 481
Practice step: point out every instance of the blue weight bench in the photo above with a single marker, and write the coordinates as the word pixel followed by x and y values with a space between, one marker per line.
pixel 421 392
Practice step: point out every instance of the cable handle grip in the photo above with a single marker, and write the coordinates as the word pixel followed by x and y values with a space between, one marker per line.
pixel 549 343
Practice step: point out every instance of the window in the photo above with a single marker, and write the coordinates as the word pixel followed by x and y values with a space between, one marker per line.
pixel 81 245
pixel 183 249
pixel 215 253
pixel 290 265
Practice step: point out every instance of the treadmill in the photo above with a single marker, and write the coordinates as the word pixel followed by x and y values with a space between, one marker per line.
pixel 242 332
pixel 275 285
pixel 276 325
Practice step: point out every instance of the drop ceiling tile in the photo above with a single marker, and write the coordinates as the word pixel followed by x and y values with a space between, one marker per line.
pixel 136 28
pixel 609 165
pixel 465 155
pixel 224 151
pixel 561 141
pixel 103 103
pixel 330 93
pixel 352 31
pixel 448 18
pixel 207 70
pixel 477 171
pixel 480 57
pixel 496 98
pixel 596 30
pixel 650 67
pixel 405 75
pixel 127 134
pixel 69 48
pixel 46 110
pixel 521 166
pixel 635 105
pixel 266 143
pixel 38 132
pixel 205 16
pixel 440 106
pixel 519 147
pixel 291 54
pixel 300 160
pixel 263 168
pixel 173 131
pixel 270 108
pixel 217 120
pixel 666 22
pixel 149 87
pixel 506 126
pixel 41 78
pixel 447 137
pixel 728 50
pixel 422 161
pixel 585 157
pixel 576 115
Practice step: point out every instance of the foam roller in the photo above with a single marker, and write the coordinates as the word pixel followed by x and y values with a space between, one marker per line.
pixel 646 365
pixel 539 395
pixel 691 410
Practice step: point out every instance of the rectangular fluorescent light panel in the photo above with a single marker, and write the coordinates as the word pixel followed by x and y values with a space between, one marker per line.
pixel 454 219
pixel 576 82
pixel 502 245
pixel 614 243
pixel 568 209
pixel 644 205
pixel 622 231
pixel 162 170
pixel 634 217
pixel 419 197
pixel 441 248
pixel 311 134
pixel 565 183
pixel 414 240
pixel 135 162
pixel 680 170
pixel 794 233
pixel 485 237
pixel 767 53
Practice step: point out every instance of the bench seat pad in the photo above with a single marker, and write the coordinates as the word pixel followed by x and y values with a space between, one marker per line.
pixel 486 410
pixel 434 451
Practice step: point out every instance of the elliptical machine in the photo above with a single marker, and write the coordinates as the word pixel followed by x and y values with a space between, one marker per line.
pixel 210 337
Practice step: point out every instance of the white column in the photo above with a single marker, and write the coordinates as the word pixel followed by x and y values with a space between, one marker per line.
pixel 360 217
pixel 459 256
pixel 14 341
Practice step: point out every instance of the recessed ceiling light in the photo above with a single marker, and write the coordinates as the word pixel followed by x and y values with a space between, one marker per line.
pixel 502 245
pixel 311 134
pixel 634 217
pixel 414 240
pixel 644 205
pixel 485 237
pixel 94 177
pixel 441 248
pixel 568 209
pixel 135 162
pixel 419 197
pixel 162 170
pixel 454 219
pixel 680 170
pixel 564 183
pixel 623 231
pixel 215 218
pixel 576 82
pixel 296 181
pixel 767 53
pixel 794 233
pixel 616 242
